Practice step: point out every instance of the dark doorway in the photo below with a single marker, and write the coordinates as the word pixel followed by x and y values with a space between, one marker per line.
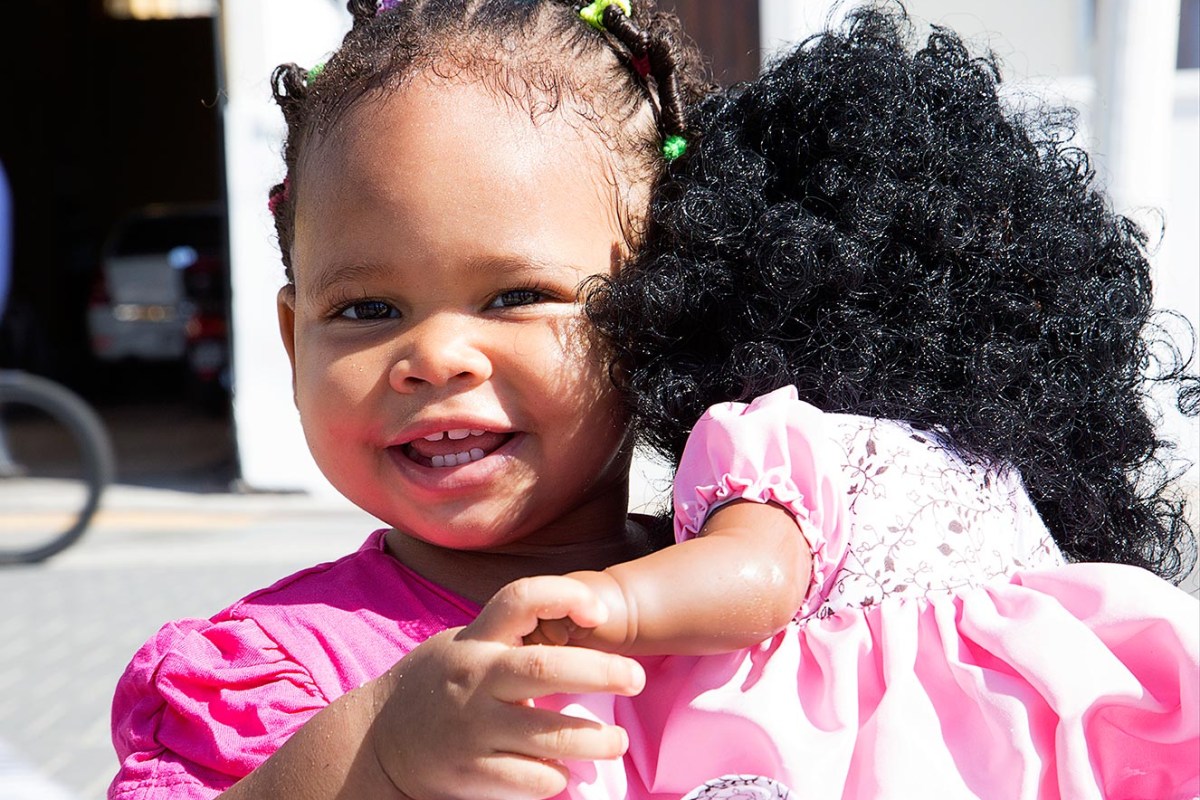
pixel 105 117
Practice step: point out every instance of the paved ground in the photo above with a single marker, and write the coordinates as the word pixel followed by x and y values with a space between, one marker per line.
pixel 69 627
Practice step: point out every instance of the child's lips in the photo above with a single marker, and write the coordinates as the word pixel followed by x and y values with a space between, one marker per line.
pixel 457 448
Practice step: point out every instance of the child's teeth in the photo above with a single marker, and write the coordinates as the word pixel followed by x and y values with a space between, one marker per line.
pixel 435 437
pixel 476 433
pixel 458 434
pixel 457 459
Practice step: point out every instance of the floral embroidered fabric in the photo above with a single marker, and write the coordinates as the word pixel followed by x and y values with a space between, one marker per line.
pixel 888 511
pixel 935 525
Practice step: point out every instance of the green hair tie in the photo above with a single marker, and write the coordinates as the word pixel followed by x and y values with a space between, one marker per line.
pixel 593 13
pixel 315 72
pixel 673 147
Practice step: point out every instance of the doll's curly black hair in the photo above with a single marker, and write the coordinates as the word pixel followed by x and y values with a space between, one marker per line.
pixel 868 222
pixel 538 53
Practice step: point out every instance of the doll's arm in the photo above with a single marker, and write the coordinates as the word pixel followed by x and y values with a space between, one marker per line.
pixel 740 581
pixel 743 569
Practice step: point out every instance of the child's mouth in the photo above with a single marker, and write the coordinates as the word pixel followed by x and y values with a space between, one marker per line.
pixel 454 448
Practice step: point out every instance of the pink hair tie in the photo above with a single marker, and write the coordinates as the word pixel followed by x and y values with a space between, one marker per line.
pixel 285 190
pixel 641 65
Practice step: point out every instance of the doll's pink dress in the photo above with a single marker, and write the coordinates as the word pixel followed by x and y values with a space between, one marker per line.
pixel 945 650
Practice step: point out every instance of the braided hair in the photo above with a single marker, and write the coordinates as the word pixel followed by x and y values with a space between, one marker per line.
pixel 868 222
pixel 629 82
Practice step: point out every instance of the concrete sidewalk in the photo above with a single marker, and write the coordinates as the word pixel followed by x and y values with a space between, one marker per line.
pixel 70 626
pixel 20 781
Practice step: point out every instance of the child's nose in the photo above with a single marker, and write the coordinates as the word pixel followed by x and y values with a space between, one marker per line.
pixel 440 352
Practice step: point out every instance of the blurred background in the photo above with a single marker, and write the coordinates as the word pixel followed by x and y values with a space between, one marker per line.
pixel 139 141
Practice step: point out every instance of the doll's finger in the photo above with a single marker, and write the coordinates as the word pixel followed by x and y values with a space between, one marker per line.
pixel 547 635
pixel 515 610
pixel 552 631
pixel 536 671
pixel 546 734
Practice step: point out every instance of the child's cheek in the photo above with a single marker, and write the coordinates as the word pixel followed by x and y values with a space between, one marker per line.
pixel 575 344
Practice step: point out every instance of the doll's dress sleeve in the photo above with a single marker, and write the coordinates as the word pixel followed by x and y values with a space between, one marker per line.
pixel 201 705
pixel 776 449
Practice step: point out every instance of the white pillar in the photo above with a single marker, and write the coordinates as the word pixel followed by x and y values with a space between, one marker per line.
pixel 254 38
pixel 1135 80
pixel 1146 151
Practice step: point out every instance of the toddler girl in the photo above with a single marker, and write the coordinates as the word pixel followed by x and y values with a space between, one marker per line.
pixel 455 172
pixel 942 332
pixel 447 385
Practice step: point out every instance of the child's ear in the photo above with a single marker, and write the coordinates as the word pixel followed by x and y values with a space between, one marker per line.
pixel 285 304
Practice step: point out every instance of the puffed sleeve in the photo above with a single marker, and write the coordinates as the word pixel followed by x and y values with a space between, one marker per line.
pixel 776 449
pixel 201 705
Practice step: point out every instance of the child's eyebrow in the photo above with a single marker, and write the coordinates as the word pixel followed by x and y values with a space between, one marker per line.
pixel 483 266
pixel 329 279
pixel 516 264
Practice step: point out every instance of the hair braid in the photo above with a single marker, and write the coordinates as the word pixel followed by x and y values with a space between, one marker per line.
pixel 672 119
pixel 289 85
pixel 626 31
pixel 655 47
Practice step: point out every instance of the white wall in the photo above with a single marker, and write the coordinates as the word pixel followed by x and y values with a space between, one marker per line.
pixel 1177 277
pixel 1052 40
pixel 1031 37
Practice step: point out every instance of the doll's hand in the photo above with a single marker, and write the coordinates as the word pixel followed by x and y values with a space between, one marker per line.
pixel 559 632
pixel 612 634
pixel 455 717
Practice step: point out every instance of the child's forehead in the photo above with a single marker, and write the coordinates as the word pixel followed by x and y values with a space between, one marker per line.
pixel 459 134
pixel 460 112
pixel 448 173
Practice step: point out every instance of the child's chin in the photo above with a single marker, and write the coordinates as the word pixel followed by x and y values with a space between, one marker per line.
pixel 465 538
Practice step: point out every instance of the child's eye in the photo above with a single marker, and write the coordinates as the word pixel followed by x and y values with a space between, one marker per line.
pixel 517 297
pixel 369 310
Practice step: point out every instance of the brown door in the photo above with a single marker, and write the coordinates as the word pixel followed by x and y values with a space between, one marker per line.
pixel 727 33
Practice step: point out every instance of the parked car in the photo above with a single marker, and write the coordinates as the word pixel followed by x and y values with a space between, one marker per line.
pixel 161 294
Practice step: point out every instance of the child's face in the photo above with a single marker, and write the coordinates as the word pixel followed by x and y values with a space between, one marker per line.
pixel 440 239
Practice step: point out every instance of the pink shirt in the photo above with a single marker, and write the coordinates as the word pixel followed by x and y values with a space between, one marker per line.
pixel 204 702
